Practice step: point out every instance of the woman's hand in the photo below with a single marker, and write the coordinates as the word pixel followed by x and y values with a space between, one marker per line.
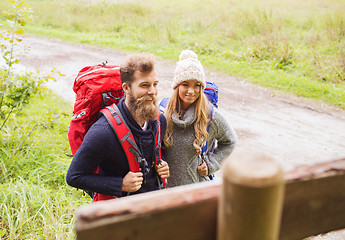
pixel 163 169
pixel 202 169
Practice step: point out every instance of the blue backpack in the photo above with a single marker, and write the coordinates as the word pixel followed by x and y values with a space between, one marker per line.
pixel 211 92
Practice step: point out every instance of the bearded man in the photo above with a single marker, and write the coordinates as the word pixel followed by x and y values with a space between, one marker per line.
pixel 102 149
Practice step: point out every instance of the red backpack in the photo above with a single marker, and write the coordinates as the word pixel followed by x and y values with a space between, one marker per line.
pixel 98 88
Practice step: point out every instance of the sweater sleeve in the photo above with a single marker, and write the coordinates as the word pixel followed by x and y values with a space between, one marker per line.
pixel 225 137
pixel 92 153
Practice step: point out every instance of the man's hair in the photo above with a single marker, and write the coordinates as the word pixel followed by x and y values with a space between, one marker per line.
pixel 141 62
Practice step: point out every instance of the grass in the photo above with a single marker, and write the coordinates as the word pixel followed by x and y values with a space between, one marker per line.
pixel 297 47
pixel 35 201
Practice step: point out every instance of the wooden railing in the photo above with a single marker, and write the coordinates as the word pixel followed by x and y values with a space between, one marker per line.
pixel 255 200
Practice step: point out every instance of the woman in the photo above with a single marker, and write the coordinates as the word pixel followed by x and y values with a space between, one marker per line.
pixel 191 121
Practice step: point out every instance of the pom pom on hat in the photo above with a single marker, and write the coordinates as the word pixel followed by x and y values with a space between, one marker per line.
pixel 185 54
pixel 187 68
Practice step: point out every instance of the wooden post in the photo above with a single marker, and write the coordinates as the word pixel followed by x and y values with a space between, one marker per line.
pixel 251 200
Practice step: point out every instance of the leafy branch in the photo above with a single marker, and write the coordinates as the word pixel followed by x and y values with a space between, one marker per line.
pixel 15 91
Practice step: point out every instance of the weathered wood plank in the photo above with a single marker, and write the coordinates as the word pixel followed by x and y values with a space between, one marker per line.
pixel 314 202
pixel 313 206
pixel 189 211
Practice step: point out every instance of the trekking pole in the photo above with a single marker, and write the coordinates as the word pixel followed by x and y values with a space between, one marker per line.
pixel 201 160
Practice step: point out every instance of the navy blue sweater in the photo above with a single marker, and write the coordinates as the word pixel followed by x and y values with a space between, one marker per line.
pixel 102 148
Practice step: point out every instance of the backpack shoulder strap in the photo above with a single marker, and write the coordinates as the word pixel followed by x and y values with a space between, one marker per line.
pixel 158 144
pixel 204 148
pixel 158 151
pixel 125 136
pixel 163 104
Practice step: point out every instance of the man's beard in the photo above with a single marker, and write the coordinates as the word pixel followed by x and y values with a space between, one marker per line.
pixel 142 109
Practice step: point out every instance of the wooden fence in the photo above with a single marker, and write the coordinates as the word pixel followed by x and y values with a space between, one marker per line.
pixel 255 200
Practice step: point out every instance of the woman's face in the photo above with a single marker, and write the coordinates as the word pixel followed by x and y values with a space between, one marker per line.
pixel 189 92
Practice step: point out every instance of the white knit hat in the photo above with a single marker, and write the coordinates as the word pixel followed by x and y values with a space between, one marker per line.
pixel 188 67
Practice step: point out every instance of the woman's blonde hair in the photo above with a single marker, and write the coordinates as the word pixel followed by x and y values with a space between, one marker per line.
pixel 202 117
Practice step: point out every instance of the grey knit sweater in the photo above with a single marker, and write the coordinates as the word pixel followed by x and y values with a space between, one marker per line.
pixel 181 156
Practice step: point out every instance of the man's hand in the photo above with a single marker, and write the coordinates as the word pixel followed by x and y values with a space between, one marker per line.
pixel 203 169
pixel 132 181
pixel 163 169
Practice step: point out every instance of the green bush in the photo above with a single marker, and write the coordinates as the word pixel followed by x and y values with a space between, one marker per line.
pixel 36 202
pixel 15 90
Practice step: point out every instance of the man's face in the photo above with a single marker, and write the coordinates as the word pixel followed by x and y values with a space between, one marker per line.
pixel 141 96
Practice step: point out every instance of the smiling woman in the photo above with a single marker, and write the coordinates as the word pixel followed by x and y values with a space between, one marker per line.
pixel 192 122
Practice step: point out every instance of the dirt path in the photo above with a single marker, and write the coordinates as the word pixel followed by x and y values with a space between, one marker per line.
pixel 293 130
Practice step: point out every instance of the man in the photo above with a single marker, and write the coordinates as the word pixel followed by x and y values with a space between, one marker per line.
pixel 101 147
